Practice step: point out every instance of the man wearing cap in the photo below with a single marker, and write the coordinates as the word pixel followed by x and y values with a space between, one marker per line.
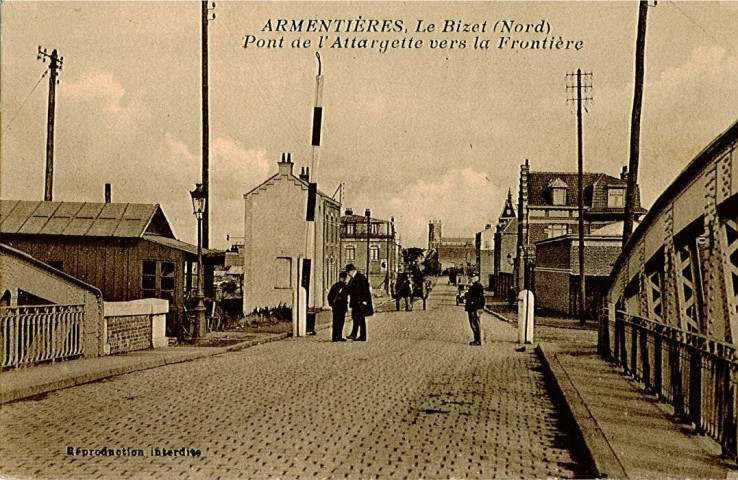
pixel 360 302
pixel 473 304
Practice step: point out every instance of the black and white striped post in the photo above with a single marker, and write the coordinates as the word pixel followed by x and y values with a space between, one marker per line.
pixel 308 272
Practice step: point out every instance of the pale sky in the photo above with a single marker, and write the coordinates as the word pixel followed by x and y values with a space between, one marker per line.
pixel 417 134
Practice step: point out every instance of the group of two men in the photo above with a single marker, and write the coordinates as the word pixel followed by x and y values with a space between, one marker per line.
pixel 351 290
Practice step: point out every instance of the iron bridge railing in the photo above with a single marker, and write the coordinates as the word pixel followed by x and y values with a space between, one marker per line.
pixel 36 334
pixel 697 375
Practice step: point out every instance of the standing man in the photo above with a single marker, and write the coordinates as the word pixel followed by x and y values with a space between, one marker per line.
pixel 338 300
pixel 473 304
pixel 360 303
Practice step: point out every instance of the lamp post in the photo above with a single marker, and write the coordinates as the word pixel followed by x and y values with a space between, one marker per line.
pixel 368 214
pixel 199 198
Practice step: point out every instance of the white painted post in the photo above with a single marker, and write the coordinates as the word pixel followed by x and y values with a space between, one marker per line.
pixel 526 314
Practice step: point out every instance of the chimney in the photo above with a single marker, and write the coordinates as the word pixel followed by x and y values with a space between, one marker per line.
pixel 624 174
pixel 349 211
pixel 108 193
pixel 305 174
pixel 285 165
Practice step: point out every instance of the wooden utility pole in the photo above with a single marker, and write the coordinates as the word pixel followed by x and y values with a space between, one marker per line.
pixel 580 188
pixel 205 18
pixel 55 64
pixel 635 124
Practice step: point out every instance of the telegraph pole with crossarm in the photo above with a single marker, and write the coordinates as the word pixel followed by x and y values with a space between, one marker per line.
pixel 580 97
pixel 55 64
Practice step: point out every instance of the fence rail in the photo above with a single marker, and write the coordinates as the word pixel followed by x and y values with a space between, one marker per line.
pixel 697 375
pixel 40 333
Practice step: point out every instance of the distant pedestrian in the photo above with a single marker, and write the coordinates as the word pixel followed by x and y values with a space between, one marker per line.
pixel 360 302
pixel 474 304
pixel 338 300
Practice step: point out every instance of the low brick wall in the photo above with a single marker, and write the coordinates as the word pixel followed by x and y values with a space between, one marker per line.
pixel 129 333
pixel 135 325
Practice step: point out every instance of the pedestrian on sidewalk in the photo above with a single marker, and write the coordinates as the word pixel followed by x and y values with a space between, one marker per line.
pixel 360 302
pixel 338 300
pixel 474 305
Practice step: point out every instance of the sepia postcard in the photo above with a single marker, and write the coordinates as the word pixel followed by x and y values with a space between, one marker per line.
pixel 368 239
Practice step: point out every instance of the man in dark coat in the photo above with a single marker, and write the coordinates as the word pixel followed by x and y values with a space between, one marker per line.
pixel 360 303
pixel 473 304
pixel 338 300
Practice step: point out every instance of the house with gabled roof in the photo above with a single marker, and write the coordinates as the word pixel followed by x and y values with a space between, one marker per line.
pixel 275 241
pixel 126 250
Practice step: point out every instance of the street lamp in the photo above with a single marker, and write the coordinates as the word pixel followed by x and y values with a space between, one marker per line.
pixel 198 207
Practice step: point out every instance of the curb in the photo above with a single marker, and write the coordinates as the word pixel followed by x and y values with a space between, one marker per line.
pixel 21 393
pixel 605 460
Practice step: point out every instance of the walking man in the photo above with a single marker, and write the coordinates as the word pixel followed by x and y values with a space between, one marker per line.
pixel 360 303
pixel 338 300
pixel 473 304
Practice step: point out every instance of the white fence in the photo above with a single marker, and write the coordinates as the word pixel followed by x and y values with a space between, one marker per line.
pixel 40 333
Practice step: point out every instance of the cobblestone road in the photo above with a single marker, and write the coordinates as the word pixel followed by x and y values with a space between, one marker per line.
pixel 415 401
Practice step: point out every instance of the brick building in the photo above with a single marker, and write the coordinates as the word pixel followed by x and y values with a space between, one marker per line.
pixel 548 208
pixel 381 245
pixel 557 269
pixel 452 252
pixel 505 249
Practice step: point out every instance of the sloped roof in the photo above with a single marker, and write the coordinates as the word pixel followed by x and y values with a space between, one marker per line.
pixel 176 244
pixel 86 219
pixel 295 179
pixel 540 182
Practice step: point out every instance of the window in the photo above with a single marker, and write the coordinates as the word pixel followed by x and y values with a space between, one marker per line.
pixel 374 229
pixel 350 229
pixel 559 196
pixel 148 279
pixel 557 229
pixel 283 272
pixel 374 253
pixel 350 253
pixel 157 279
pixel 616 198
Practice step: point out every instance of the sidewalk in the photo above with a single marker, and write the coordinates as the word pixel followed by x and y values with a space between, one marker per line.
pixel 28 382
pixel 627 432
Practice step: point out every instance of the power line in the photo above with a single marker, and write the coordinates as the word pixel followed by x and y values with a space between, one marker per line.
pixel 704 30
pixel 25 100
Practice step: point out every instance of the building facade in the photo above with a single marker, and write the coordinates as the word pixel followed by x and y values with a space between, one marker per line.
pixel 452 252
pixel 505 250
pixel 485 245
pixel 372 245
pixel 275 240
pixel 548 208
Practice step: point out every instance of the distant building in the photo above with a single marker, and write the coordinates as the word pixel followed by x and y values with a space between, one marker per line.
pixel 548 208
pixel 452 252
pixel 485 245
pixel 381 246
pixel 505 251
pixel 275 239
pixel 126 250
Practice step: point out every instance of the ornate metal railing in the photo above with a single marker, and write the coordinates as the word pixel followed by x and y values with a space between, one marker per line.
pixel 40 333
pixel 697 375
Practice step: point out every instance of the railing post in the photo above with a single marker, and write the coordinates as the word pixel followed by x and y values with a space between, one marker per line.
pixel 675 374
pixel 645 360
pixel 616 340
pixel 657 362
pixel 730 424
pixel 634 349
pixel 695 383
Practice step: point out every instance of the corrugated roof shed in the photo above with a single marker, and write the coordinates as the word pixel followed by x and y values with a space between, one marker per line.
pixel 86 219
